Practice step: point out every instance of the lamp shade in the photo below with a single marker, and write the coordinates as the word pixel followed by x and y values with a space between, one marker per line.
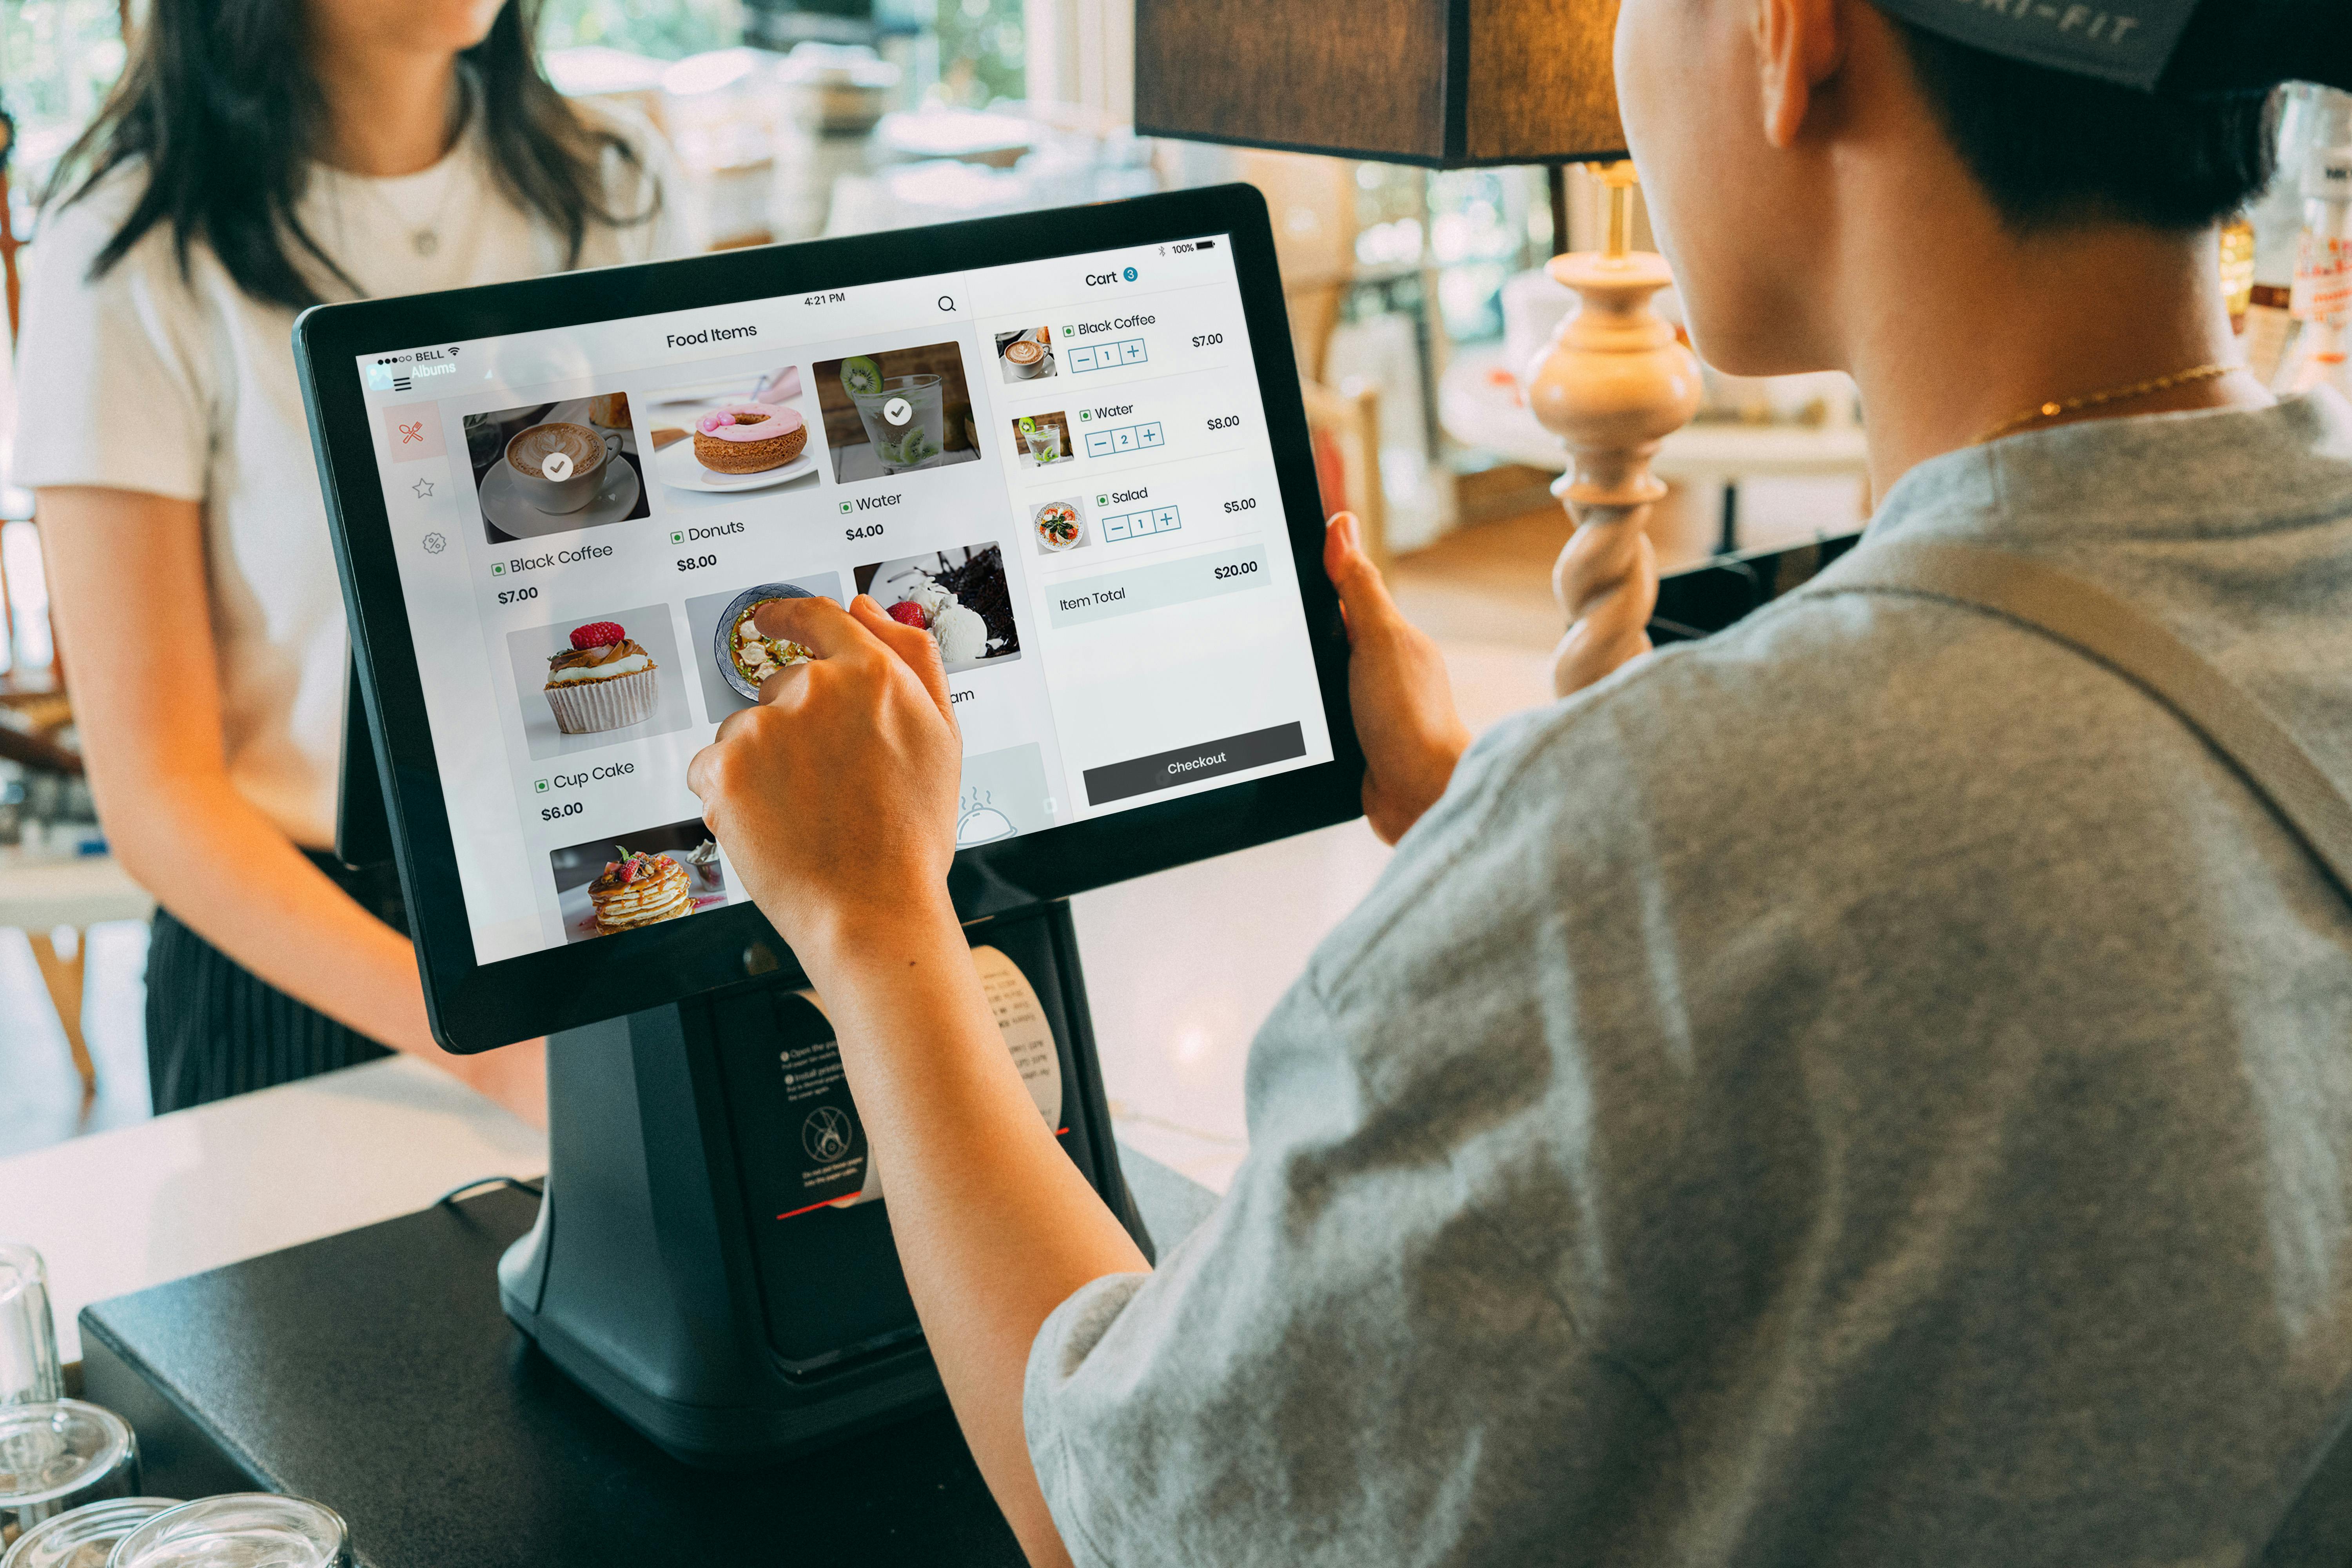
pixel 1445 83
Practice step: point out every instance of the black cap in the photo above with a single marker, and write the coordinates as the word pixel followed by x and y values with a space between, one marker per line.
pixel 2156 46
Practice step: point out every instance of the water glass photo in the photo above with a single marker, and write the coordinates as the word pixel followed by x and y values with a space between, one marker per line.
pixel 243 1529
pixel 28 1337
pixel 56 1457
pixel 85 1537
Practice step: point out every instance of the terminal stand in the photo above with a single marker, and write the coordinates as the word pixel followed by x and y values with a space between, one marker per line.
pixel 672 1273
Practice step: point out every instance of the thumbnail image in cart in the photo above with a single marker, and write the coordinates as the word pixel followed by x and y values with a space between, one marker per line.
pixel 1025 355
pixel 641 879
pixel 1042 440
pixel 587 684
pixel 556 468
pixel 959 596
pixel 729 648
pixel 895 412
pixel 1059 526
pixel 723 432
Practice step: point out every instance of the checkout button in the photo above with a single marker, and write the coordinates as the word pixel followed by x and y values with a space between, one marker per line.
pixel 1120 781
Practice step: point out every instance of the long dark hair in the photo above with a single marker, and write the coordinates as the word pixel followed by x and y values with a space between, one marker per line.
pixel 220 104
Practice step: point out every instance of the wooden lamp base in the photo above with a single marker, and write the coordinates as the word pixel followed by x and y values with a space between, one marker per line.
pixel 1612 384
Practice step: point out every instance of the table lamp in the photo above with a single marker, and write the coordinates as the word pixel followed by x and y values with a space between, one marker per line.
pixel 1457 85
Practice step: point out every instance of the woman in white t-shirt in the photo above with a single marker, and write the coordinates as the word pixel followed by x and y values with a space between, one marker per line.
pixel 259 156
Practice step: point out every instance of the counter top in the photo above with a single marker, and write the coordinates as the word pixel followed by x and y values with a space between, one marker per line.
pixel 121 1210
pixel 1182 967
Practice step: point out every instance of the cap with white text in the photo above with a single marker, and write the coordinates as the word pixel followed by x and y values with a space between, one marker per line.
pixel 2156 46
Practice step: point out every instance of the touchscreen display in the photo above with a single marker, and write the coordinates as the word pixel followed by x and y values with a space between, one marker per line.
pixel 1058 470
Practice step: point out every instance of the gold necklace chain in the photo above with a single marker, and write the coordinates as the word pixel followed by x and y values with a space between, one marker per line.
pixel 2057 406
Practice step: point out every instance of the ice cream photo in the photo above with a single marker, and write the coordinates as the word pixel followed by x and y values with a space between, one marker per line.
pixel 959 596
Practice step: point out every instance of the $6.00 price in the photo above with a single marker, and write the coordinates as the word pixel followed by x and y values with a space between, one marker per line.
pixel 555 813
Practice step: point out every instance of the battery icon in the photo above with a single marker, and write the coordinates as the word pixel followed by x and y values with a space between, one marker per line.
pixel 1205 245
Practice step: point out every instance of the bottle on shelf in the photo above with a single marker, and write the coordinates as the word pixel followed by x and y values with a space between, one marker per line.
pixel 2320 301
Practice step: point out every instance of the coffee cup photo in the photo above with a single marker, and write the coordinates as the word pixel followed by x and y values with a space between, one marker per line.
pixel 554 467
pixel 1026 354
pixel 557 465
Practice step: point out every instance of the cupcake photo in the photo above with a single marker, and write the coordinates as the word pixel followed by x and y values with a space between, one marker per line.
pixel 603 681
pixel 599 678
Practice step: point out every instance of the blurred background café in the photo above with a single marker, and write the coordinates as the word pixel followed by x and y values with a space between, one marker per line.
pixel 1416 295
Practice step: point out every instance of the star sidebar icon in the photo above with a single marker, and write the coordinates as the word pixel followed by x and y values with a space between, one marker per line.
pixel 424 487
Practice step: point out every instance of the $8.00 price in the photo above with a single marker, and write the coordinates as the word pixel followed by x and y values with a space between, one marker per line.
pixel 697 563
pixel 1224 421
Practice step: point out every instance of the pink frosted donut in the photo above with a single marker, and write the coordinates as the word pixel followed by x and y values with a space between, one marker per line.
pixel 748 437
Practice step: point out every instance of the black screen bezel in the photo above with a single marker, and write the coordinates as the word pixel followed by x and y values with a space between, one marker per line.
pixel 476 1006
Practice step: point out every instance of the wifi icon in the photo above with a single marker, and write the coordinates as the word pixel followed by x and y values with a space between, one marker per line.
pixel 453 351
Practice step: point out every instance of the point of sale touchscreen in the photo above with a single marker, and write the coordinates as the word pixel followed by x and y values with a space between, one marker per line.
pixel 1059 469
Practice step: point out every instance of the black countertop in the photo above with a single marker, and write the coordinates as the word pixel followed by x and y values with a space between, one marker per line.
pixel 375 1372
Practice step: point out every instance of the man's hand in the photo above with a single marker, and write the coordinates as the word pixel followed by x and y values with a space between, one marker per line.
pixel 1398 687
pixel 835 796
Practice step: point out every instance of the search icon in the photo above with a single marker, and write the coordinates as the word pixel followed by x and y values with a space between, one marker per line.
pixel 947 301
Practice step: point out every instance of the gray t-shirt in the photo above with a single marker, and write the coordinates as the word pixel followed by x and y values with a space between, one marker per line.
pixel 1870 1088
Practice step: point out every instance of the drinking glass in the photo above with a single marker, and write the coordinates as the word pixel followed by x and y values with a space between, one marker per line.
pixel 55 1457
pixel 28 1337
pixel 85 1537
pixel 243 1529
pixel 1044 443
pixel 918 440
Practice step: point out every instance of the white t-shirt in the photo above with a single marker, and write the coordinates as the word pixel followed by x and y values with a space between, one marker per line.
pixel 146 380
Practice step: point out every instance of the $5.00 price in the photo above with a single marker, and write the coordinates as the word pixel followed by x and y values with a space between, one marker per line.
pixel 1247 503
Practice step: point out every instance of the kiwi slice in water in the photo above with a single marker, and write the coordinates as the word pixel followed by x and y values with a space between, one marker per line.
pixel 861 376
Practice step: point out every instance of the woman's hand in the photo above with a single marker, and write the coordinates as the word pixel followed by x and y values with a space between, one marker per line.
pixel 1397 685
pixel 836 797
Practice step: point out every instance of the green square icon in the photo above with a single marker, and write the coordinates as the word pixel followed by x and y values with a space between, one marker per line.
pixel 845 509
pixel 677 537
pixel 1069 331
pixel 1102 500
pixel 540 786
pixel 498 569
pixel 1083 416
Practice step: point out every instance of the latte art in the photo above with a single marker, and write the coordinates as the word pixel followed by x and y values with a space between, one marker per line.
pixel 529 452
pixel 1021 350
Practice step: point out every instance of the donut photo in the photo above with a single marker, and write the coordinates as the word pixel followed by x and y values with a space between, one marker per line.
pixel 738 425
